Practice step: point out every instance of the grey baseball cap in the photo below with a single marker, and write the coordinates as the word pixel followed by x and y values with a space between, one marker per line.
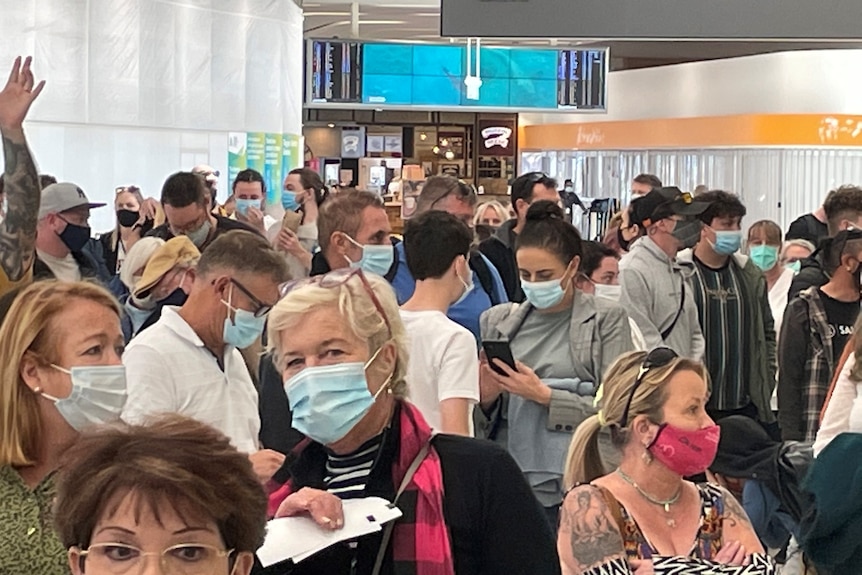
pixel 64 196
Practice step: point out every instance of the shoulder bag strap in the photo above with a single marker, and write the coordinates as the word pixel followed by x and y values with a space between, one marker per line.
pixel 672 325
pixel 387 531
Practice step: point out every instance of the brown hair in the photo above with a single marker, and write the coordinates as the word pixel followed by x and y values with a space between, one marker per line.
pixel 843 203
pixel 773 232
pixel 438 187
pixel 173 458
pixel 244 252
pixel 344 214
pixel 311 180
pixel 28 327
pixel 584 463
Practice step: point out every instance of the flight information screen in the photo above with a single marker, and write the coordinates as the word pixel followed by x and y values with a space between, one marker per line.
pixel 335 72
pixel 431 76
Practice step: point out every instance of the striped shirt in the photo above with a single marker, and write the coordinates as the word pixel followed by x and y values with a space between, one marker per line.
pixel 721 311
pixel 346 475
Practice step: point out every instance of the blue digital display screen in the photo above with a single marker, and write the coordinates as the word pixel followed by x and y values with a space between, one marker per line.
pixel 428 75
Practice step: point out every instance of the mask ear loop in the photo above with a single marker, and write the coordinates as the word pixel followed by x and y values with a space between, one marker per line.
pixel 229 304
pixel 385 386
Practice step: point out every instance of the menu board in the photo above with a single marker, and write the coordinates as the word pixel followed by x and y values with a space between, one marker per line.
pixel 431 76
pixel 335 71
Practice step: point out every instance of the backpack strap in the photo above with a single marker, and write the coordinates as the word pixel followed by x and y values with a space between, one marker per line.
pixel 666 331
pixel 480 266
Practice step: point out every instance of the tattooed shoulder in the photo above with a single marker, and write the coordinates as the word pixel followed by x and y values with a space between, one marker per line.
pixel 734 513
pixel 587 523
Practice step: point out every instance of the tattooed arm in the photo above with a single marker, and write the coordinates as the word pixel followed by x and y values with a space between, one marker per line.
pixel 736 527
pixel 20 177
pixel 589 539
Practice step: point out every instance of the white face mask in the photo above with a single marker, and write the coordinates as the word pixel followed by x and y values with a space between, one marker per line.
pixel 98 395
pixel 612 292
pixel 468 286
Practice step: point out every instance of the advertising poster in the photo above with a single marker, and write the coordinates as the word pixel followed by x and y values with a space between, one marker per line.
pixel 236 154
pixel 292 147
pixel 272 169
pixel 255 150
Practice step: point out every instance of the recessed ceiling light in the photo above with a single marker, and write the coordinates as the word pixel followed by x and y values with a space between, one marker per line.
pixel 330 125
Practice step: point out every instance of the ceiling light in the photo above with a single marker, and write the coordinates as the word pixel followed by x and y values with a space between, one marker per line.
pixel 423 136
pixel 330 125
pixel 444 142
pixel 450 155
pixel 436 149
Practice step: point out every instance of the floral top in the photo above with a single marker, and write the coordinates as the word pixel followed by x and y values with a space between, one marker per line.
pixel 28 542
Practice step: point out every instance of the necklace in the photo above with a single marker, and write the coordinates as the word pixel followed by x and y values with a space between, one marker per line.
pixel 666 503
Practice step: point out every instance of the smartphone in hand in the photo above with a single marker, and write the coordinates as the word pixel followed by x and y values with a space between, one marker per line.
pixel 499 349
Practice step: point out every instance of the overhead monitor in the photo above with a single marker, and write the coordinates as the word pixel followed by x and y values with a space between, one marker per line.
pixel 431 77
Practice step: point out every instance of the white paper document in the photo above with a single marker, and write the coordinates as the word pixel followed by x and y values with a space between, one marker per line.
pixel 299 538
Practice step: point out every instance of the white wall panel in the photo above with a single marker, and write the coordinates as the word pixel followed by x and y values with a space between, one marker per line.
pixel 774 184
pixel 135 87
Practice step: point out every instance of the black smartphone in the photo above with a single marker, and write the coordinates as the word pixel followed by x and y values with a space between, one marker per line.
pixel 499 349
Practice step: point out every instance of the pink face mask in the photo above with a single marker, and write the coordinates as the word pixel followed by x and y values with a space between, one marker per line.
pixel 686 453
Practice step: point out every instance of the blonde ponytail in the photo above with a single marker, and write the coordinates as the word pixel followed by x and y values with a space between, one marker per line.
pixel 583 462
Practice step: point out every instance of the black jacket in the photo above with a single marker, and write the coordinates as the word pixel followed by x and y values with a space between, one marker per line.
pixel 276 431
pixel 811 274
pixel 500 249
pixel 809 228
pixel 495 523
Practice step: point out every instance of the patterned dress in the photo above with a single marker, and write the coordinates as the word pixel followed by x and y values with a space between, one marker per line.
pixel 699 560
pixel 28 543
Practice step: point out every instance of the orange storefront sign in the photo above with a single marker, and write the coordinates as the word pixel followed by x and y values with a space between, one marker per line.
pixel 711 132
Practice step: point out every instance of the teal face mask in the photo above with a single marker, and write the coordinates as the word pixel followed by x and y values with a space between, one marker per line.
pixel 543 295
pixel 764 257
pixel 327 401
pixel 375 259
pixel 245 327
pixel 795 266
pixel 242 205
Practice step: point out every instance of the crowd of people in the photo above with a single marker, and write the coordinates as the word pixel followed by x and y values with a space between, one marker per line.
pixel 532 402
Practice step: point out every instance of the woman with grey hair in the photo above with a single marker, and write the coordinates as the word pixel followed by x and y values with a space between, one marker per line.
pixel 340 345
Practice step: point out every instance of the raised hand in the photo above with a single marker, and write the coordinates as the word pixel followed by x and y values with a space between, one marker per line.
pixel 18 95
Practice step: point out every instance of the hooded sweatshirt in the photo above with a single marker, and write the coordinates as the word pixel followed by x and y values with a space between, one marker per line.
pixel 652 291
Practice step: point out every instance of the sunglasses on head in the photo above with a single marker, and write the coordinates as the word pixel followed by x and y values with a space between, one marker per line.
pixel 335 279
pixel 659 357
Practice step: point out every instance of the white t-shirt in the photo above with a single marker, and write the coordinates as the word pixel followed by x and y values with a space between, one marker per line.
pixel 844 410
pixel 169 370
pixel 444 363
pixel 778 303
pixel 64 269
pixel 307 234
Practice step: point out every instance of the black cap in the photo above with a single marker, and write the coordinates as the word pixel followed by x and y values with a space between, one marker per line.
pixel 664 202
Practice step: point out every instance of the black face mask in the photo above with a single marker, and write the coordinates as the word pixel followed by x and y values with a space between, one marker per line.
pixel 176 298
pixel 127 218
pixel 75 237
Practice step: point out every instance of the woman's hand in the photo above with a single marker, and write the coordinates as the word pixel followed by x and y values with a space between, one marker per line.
pixel 266 463
pixel 489 389
pixel 323 507
pixel 732 553
pixel 642 566
pixel 523 382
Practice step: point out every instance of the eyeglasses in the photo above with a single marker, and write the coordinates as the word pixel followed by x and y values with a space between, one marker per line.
pixel 336 279
pixel 122 559
pixel 659 357
pixel 262 309
pixel 122 189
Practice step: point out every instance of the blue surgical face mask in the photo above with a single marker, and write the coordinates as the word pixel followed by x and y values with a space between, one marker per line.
pixel 375 259
pixel 543 295
pixel 98 395
pixel 327 401
pixel 726 242
pixel 795 266
pixel 288 201
pixel 764 257
pixel 244 329
pixel 242 205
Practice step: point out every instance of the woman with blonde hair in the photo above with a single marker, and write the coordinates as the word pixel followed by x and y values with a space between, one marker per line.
pixel 61 372
pixel 340 344
pixel 644 517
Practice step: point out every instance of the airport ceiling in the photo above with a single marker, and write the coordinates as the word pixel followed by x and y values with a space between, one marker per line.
pixel 419 20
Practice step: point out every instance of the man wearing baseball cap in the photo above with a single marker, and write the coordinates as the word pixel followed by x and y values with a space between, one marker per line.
pixel 63 236
pixel 654 287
